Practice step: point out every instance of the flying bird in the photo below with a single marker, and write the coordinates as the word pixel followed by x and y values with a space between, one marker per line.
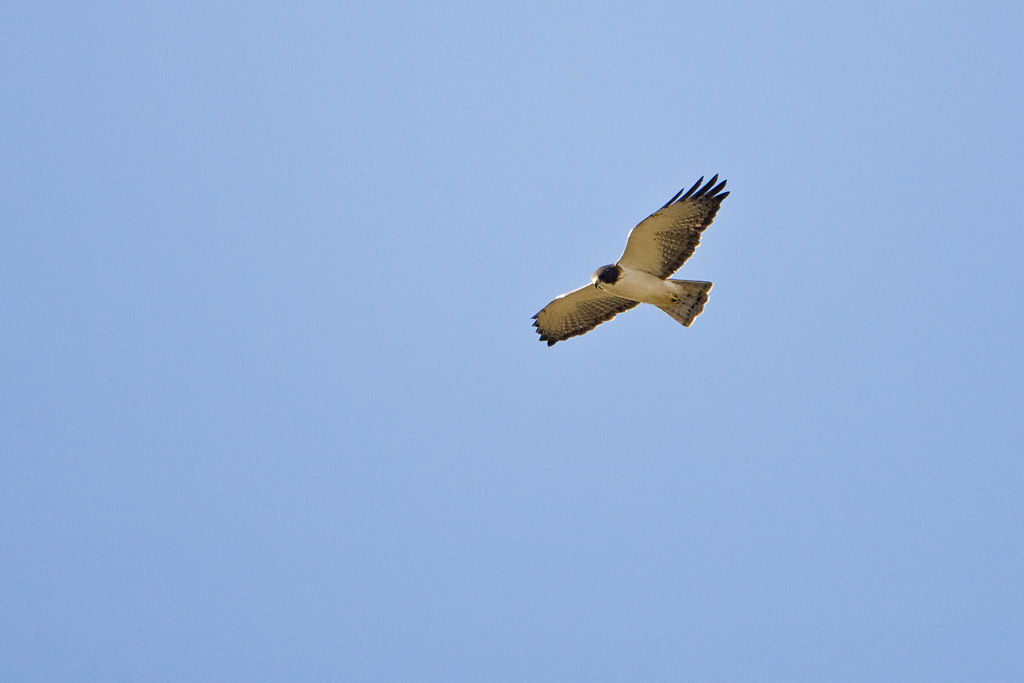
pixel 655 249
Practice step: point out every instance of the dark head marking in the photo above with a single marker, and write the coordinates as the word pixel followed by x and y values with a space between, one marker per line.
pixel 608 274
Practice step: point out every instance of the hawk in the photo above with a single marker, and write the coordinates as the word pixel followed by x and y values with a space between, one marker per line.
pixel 655 249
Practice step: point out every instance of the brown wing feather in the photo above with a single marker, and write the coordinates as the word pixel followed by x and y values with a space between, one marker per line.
pixel 578 312
pixel 663 241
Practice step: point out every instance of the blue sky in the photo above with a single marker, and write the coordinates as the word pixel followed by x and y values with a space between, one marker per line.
pixel 272 405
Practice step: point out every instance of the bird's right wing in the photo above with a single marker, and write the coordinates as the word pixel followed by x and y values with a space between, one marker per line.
pixel 578 312
pixel 663 241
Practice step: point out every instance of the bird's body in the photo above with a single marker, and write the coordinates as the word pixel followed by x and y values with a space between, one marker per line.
pixel 637 285
pixel 655 249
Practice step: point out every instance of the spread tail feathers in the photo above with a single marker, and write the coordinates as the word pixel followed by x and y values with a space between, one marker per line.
pixel 692 297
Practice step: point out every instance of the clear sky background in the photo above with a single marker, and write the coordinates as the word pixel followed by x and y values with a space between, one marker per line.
pixel 272 407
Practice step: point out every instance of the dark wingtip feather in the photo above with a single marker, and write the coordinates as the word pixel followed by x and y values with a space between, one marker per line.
pixel 690 191
pixel 672 200
pixel 704 190
pixel 543 335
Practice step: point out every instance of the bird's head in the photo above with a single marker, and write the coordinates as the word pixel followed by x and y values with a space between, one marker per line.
pixel 608 275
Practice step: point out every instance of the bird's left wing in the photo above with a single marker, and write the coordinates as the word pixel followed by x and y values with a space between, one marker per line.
pixel 578 312
pixel 663 241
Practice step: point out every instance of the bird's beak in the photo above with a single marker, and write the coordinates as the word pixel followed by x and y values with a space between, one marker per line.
pixel 595 283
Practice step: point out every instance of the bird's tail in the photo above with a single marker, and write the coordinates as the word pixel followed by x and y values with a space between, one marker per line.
pixel 691 295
